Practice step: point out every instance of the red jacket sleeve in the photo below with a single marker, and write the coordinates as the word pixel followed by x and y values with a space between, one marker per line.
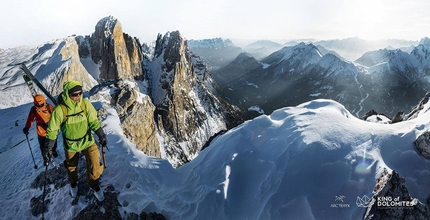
pixel 30 118
pixel 51 108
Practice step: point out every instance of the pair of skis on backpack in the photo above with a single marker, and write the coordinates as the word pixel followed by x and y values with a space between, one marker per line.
pixel 29 79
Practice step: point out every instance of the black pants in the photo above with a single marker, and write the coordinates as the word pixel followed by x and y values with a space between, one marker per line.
pixel 42 141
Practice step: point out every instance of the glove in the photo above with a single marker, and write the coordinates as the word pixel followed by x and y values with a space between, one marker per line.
pixel 47 151
pixel 102 137
pixel 25 130
pixel 102 141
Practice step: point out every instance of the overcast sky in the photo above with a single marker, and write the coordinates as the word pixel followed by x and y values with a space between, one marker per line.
pixel 33 23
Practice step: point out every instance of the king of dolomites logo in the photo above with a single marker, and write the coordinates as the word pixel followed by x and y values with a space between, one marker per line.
pixel 363 202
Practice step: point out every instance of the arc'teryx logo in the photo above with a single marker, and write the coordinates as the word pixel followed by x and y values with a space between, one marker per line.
pixel 341 203
pixel 339 198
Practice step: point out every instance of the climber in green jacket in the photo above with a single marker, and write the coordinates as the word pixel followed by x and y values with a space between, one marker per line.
pixel 76 117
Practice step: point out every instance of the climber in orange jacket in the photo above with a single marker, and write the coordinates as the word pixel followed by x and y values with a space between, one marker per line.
pixel 41 112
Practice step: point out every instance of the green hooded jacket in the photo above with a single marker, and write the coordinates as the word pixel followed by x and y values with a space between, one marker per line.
pixel 76 129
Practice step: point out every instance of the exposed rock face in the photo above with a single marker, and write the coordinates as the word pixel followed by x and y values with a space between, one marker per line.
pixel 422 144
pixel 391 200
pixel 398 117
pixel 118 54
pixel 137 119
pixel 420 107
pixel 64 65
pixel 75 70
pixel 187 113
pixel 136 113
pixel 373 116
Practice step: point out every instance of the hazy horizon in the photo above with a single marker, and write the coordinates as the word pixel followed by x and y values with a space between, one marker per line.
pixel 34 23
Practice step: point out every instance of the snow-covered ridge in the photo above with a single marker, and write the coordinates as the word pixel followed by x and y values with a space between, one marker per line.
pixel 293 163
pixel 14 90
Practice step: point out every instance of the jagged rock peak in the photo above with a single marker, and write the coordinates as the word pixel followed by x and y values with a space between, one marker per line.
pixel 118 54
pixel 172 46
pixel 214 43
pixel 107 25
pixel 391 200
pixel 425 41
pixel 166 41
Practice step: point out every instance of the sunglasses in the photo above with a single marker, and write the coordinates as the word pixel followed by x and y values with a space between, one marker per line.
pixel 41 105
pixel 75 94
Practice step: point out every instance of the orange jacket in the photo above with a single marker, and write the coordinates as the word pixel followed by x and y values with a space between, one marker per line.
pixel 42 116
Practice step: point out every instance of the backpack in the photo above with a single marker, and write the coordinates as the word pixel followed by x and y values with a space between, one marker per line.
pixel 64 108
pixel 44 117
pixel 66 116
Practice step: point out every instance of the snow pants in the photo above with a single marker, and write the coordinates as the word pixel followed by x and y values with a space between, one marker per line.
pixel 94 167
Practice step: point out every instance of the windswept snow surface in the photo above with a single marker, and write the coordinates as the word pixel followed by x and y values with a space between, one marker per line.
pixel 292 164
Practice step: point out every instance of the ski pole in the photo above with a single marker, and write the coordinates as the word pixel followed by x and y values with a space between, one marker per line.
pixel 35 166
pixel 43 199
pixel 104 156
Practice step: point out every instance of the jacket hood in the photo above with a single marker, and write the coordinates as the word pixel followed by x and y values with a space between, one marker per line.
pixel 39 100
pixel 66 87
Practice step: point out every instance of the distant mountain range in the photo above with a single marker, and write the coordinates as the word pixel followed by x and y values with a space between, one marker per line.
pixel 218 52
pixel 388 80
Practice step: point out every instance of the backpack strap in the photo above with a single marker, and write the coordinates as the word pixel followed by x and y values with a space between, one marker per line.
pixel 48 108
pixel 64 109
pixel 35 111
pixel 65 115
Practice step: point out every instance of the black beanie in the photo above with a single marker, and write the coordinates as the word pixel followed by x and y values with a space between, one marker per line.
pixel 75 89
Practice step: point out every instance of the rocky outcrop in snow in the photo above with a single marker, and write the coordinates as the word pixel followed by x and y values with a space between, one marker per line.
pixel 137 118
pixel 422 144
pixel 73 68
pixel 135 111
pixel 391 200
pixel 420 108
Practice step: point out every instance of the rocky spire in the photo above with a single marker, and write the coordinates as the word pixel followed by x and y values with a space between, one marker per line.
pixel 187 113
pixel 118 53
